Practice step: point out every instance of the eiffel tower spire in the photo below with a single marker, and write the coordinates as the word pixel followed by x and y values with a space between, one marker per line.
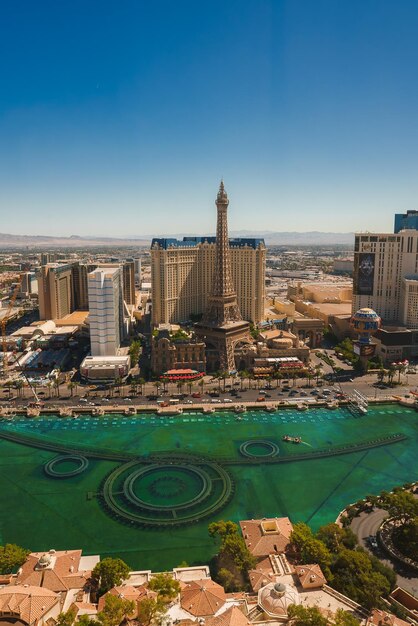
pixel 222 304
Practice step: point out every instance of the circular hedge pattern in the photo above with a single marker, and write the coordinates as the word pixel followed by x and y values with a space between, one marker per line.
pixel 251 449
pixel 166 492
pixel 51 469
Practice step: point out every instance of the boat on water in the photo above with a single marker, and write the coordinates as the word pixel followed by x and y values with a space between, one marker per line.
pixel 362 409
pixel 291 439
pixel 208 410
pixel 271 409
pixel 302 406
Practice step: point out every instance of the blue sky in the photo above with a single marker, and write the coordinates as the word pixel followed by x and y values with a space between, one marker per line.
pixel 120 118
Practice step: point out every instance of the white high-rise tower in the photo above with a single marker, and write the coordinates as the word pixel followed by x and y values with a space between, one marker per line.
pixel 104 288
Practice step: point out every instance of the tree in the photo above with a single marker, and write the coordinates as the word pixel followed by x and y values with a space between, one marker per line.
pixel 222 528
pixel 226 579
pixel 67 619
pixel 344 618
pixel 310 549
pixel 233 554
pixel 151 610
pixel 355 577
pixel 405 538
pixel 165 585
pixel 109 573
pixel 336 538
pixel 11 557
pixel 134 351
pixel 115 611
pixel 400 504
pixel 86 620
pixel 309 616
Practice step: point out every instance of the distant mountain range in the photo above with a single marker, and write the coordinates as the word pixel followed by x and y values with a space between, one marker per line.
pixel 271 238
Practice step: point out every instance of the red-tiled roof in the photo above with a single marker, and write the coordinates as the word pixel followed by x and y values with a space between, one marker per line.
pixel 202 597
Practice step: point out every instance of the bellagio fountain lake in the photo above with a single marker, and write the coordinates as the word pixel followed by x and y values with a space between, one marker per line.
pixel 146 487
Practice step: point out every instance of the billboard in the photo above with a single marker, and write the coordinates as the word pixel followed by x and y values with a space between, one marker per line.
pixel 364 274
pixel 365 349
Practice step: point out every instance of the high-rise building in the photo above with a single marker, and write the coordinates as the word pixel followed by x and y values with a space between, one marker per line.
pixel 128 269
pixel 386 276
pixel 182 277
pixel 104 293
pixel 80 288
pixel 55 291
pixel 222 327
pixel 406 221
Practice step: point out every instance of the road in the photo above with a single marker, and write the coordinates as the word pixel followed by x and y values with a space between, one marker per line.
pixel 367 524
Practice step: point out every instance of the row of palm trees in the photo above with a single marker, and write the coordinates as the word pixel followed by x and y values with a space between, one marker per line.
pixel 138 385
pixel 390 372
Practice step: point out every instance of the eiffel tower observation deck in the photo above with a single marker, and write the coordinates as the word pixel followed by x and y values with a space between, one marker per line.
pixel 222 326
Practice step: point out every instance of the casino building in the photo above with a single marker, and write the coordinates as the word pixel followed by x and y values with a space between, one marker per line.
pixel 182 276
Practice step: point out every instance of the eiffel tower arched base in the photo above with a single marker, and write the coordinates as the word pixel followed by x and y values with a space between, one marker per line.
pixel 223 340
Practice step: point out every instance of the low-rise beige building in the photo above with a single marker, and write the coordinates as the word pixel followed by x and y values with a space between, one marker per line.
pixel 169 354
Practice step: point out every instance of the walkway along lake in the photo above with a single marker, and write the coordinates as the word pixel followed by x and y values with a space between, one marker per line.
pixel 146 487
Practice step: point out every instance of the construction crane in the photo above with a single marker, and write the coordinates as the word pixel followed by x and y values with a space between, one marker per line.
pixel 4 321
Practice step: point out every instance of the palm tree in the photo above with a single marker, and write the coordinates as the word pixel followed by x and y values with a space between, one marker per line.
pixel 141 382
pixel 318 372
pixel 19 386
pixel 391 373
pixel 157 385
pixel 381 375
pixel 57 387
pixel 309 377
pixel 202 385
pixel 190 386
pixel 70 387
pixel 180 386
pixel 49 385
pixel 401 370
pixel 165 382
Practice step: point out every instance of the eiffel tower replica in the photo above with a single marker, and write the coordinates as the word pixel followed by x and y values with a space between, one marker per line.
pixel 222 326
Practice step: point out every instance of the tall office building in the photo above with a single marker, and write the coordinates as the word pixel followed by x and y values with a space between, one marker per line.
pixel 104 293
pixel 55 291
pixel 128 269
pixel 386 276
pixel 406 221
pixel 182 277
pixel 80 272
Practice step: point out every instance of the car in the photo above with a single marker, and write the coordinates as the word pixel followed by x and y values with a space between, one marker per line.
pixel 196 395
pixel 372 542
pixel 84 400
pixel 188 402
pixel 227 400
pixel 268 395
pixel 215 400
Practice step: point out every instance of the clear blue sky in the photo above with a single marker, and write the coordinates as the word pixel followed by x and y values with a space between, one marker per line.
pixel 119 118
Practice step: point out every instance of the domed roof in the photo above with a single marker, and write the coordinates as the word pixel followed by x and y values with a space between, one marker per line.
pixel 44 560
pixel 366 314
pixel 275 599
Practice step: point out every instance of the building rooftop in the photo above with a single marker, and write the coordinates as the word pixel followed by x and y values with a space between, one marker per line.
pixel 192 242
pixel 266 536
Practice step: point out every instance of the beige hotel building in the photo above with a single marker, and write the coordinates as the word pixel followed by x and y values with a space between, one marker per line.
pixel 182 272
pixel 386 276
